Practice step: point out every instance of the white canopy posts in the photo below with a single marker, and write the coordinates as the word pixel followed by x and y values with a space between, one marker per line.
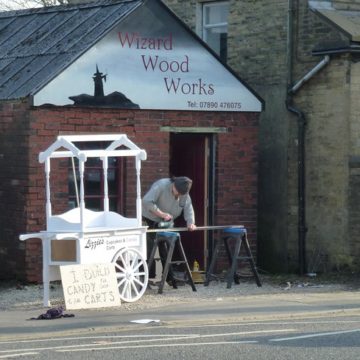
pixel 65 147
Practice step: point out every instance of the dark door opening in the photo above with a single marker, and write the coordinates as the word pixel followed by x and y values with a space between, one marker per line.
pixel 189 157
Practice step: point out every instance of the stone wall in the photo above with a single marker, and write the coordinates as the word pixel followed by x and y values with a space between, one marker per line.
pixel 327 174
pixel 354 167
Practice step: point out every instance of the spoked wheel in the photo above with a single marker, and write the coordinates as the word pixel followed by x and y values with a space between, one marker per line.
pixel 131 273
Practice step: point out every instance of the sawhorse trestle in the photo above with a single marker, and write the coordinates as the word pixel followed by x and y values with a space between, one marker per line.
pixel 166 242
pixel 239 236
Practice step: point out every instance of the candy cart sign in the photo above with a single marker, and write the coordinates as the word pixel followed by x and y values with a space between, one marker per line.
pixel 89 286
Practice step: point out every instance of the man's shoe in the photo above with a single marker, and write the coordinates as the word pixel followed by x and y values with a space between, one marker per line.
pixel 172 283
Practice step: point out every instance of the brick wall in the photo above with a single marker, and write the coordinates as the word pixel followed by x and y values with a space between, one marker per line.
pixel 236 165
pixel 13 182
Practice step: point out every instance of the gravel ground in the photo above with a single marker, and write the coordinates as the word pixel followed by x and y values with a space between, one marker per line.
pixel 29 297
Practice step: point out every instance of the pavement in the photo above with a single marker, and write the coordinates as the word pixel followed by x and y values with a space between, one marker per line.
pixel 181 306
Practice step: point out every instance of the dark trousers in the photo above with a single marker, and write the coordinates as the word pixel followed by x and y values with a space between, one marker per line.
pixel 163 250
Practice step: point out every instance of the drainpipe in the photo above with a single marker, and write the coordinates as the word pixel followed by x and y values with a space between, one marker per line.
pixel 309 75
pixel 301 160
pixel 301 121
pixel 301 184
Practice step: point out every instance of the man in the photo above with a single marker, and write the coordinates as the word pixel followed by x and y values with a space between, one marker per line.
pixel 166 200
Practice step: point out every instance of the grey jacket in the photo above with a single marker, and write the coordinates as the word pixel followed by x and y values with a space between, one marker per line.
pixel 160 196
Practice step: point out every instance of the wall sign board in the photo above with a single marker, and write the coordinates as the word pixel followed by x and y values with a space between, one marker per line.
pixel 149 61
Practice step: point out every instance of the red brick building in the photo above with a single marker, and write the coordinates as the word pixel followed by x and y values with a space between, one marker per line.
pixel 188 110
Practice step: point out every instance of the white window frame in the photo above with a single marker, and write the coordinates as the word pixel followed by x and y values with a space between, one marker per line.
pixel 201 27
pixel 206 27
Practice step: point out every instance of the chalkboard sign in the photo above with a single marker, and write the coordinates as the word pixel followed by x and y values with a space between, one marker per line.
pixel 88 286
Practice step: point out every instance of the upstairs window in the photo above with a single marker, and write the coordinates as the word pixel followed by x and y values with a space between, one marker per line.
pixel 214 27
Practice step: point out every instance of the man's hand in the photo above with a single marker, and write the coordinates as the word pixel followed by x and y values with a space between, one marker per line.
pixel 191 227
pixel 162 215
pixel 167 217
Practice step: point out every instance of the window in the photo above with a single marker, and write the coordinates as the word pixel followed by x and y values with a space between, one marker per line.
pixel 215 26
pixel 94 183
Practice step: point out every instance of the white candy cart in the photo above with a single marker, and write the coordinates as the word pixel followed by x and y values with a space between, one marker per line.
pixel 83 236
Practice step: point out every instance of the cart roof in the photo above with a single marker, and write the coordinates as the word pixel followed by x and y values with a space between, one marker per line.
pixel 108 145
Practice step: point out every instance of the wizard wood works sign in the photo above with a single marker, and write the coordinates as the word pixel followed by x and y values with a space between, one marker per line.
pixel 175 69
pixel 149 61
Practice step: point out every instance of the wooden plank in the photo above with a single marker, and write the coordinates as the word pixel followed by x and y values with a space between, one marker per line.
pixel 63 250
pixel 198 228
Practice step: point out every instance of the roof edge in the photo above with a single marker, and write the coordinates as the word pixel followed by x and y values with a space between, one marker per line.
pixel 62 8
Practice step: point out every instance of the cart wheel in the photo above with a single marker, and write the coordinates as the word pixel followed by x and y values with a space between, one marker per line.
pixel 131 273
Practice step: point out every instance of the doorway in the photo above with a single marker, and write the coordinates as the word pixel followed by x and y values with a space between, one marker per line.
pixel 190 156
